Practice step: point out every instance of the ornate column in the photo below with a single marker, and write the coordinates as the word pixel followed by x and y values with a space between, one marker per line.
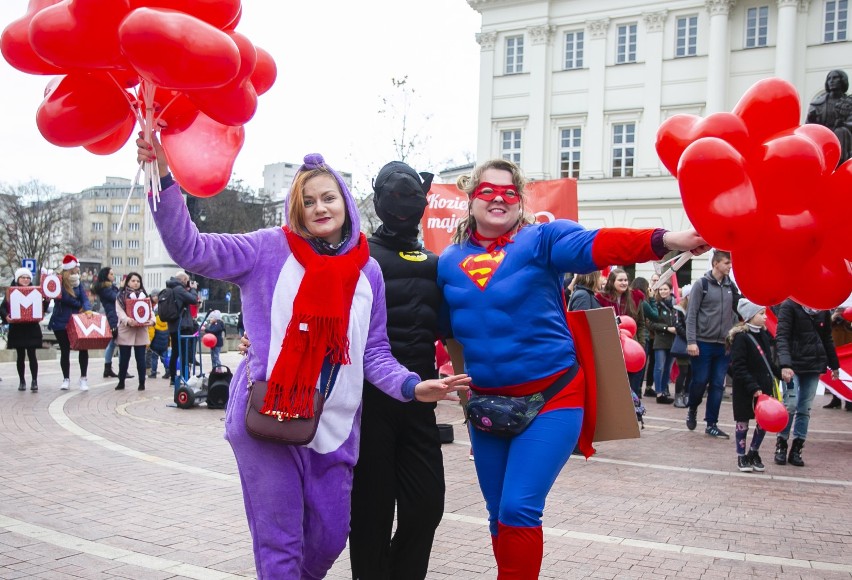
pixel 786 40
pixel 484 147
pixel 718 55
pixel 537 64
pixel 593 132
pixel 646 155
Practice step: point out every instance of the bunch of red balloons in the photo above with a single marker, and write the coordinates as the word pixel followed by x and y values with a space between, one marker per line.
pixel 758 184
pixel 634 354
pixel 129 61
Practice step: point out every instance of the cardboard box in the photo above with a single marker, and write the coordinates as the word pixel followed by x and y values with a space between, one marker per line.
pixel 88 332
pixel 138 309
pixel 25 303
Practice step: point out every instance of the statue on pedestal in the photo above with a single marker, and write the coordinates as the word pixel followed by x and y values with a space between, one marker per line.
pixel 833 109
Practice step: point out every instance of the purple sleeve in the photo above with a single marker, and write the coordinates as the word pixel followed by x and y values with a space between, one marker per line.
pixel 380 367
pixel 229 257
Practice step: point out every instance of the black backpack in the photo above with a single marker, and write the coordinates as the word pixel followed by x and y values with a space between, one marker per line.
pixel 705 284
pixel 167 306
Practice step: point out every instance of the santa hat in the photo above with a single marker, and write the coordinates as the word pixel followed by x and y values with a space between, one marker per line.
pixel 23 272
pixel 69 262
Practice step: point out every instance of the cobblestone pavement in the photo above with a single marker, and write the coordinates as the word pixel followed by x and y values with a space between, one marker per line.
pixel 112 484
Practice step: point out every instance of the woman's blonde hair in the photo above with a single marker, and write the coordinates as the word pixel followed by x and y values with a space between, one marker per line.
pixel 296 204
pixel 65 276
pixel 468 183
pixel 591 281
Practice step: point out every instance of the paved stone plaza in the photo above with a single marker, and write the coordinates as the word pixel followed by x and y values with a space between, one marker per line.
pixel 116 484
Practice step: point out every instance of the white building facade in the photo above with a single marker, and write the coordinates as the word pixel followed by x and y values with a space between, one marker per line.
pixel 578 88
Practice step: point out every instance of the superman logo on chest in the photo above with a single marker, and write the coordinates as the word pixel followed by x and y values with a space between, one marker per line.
pixel 480 268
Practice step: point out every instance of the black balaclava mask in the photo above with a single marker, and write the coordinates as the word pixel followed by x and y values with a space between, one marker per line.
pixel 400 199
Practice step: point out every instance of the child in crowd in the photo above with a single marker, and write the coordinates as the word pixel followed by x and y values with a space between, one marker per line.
pixel 753 372
pixel 216 327
pixel 159 336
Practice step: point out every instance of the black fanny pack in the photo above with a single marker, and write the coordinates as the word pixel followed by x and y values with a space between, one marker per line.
pixel 509 416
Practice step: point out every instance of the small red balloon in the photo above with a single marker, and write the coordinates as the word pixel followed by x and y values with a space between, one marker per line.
pixel 634 354
pixel 627 323
pixel 770 413
pixel 209 340
pixel 847 314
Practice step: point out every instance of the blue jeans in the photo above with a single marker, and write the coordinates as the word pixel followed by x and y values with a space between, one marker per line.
pixel 214 356
pixel 798 397
pixel 108 352
pixel 709 367
pixel 663 359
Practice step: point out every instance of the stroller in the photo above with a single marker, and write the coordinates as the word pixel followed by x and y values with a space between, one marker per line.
pixel 194 386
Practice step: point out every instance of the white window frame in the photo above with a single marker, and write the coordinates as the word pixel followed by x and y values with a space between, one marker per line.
pixel 116 244
pixel 686 31
pixel 97 226
pixel 515 145
pixel 133 245
pixel 133 227
pixel 116 261
pixel 514 54
pixel 626 38
pixel 116 208
pixel 574 49
pixel 133 208
pixel 132 261
pixel 836 21
pixel 757 26
pixel 574 152
pixel 623 148
pixel 97 244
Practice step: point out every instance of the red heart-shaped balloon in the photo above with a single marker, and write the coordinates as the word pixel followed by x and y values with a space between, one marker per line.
pixel 236 102
pixel 178 51
pixel 219 13
pixel 115 140
pixel 826 141
pixel 15 43
pixel 202 156
pixel 769 107
pixel 751 268
pixel 173 107
pixel 678 132
pixel 265 71
pixel 80 34
pixel 823 283
pixel 82 108
pixel 717 193
pixel 788 165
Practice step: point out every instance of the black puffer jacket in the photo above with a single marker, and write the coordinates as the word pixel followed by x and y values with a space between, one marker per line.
pixel 413 301
pixel 183 297
pixel 804 340
pixel 749 371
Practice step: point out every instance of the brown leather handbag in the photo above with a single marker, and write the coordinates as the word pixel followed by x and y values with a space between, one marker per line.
pixel 271 427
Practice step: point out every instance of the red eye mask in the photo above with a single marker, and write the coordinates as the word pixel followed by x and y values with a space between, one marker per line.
pixel 488 192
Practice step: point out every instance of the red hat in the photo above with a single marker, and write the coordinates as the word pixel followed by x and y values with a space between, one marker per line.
pixel 69 262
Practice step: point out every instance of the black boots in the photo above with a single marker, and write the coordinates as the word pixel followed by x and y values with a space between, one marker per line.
pixel 833 404
pixel 108 374
pixel 781 451
pixel 141 382
pixel 795 457
pixel 120 385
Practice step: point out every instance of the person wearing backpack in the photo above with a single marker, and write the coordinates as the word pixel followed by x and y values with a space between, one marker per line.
pixel 183 293
pixel 710 317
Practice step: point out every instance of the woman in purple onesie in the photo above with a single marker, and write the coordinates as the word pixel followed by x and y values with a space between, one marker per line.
pixel 316 273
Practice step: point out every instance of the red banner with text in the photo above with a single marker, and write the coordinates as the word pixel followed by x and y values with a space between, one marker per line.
pixel 548 200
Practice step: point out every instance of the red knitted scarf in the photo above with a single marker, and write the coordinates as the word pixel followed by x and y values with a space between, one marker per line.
pixel 318 326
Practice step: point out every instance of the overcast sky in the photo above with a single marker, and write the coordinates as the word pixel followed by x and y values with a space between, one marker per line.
pixel 335 58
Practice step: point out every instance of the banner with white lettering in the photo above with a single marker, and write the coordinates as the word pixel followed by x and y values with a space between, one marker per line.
pixel 548 200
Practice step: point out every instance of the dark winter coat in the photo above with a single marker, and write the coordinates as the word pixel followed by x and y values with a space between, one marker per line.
pixel 749 371
pixel 413 301
pixel 665 317
pixel 183 297
pixel 21 334
pixel 66 305
pixel 216 328
pixel 107 294
pixel 804 340
pixel 583 299
pixel 711 314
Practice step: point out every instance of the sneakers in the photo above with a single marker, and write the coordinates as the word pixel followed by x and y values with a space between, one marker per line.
pixel 754 458
pixel 714 431
pixel 22 386
pixel 649 392
pixel 744 463
pixel 84 384
pixel 691 420
pixel 664 399
pixel 66 384
pixel 152 376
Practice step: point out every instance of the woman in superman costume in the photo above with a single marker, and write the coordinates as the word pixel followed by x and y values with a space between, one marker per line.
pixel 502 285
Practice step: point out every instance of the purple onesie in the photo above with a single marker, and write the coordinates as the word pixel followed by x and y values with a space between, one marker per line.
pixel 296 497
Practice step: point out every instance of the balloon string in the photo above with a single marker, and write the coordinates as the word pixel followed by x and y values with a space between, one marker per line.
pixel 676 264
pixel 129 195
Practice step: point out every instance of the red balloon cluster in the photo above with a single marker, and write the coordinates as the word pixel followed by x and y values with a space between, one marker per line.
pixel 634 354
pixel 204 77
pixel 767 189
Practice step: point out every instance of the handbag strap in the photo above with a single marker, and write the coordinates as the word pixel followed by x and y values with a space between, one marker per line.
pixel 332 375
pixel 775 391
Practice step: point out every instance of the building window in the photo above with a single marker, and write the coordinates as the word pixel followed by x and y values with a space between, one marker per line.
pixel 510 145
pixel 97 244
pixel 115 227
pixel 116 261
pixel 133 244
pixel 133 227
pixel 623 140
pixel 574 50
pixel 836 20
pixel 117 208
pixel 569 152
pixel 757 24
pixel 116 244
pixel 132 261
pixel 100 209
pixel 626 44
pixel 97 226
pixel 514 54
pixel 687 36
pixel 133 208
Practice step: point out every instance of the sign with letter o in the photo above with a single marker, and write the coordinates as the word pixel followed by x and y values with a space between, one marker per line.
pixel 51 286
